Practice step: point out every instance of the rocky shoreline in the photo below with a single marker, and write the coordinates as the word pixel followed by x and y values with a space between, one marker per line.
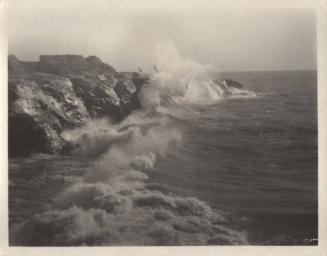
pixel 63 92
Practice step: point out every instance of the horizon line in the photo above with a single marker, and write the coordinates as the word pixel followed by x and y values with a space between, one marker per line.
pixel 219 71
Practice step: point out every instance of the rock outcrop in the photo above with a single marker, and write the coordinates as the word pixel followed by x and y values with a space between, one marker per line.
pixel 125 89
pixel 40 107
pixel 99 96
pixel 62 92
pixel 228 84
pixel 232 84
pixel 230 87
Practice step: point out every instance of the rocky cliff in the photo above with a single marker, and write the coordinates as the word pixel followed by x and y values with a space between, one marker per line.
pixel 62 92
pixel 40 107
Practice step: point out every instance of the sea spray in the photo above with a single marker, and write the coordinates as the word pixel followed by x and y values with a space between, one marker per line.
pixel 179 79
pixel 175 75
pixel 112 205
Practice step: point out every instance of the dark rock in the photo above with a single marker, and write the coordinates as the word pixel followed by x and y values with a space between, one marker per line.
pixel 98 96
pixel 26 136
pixel 74 89
pixel 139 82
pixel 232 84
pixel 227 86
pixel 40 107
pixel 126 91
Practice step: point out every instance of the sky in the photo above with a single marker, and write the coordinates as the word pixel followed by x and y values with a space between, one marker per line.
pixel 125 34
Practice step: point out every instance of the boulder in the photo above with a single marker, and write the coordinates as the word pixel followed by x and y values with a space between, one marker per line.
pixel 73 90
pixel 99 96
pixel 233 84
pixel 228 86
pixel 126 90
pixel 40 107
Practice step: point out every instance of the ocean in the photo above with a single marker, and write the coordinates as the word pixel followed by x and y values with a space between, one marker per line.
pixel 216 170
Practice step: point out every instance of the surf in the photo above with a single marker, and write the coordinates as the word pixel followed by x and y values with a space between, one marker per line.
pixel 112 204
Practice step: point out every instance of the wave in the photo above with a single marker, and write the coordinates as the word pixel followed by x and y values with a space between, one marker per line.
pixel 172 91
pixel 112 204
pixel 214 90
pixel 98 214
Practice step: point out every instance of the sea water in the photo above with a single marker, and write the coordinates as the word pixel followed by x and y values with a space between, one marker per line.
pixel 213 170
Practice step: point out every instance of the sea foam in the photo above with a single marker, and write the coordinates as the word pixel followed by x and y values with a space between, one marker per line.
pixel 112 204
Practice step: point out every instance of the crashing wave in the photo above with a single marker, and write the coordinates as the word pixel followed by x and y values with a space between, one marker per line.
pixel 112 204
pixel 97 214
pixel 215 90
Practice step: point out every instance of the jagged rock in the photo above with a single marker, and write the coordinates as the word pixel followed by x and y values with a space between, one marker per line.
pixel 126 91
pixel 226 84
pixel 74 89
pixel 99 96
pixel 232 83
pixel 40 107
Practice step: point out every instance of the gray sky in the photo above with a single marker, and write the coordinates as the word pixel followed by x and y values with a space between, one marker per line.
pixel 125 34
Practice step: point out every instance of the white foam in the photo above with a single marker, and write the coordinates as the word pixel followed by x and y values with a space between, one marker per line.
pixel 112 205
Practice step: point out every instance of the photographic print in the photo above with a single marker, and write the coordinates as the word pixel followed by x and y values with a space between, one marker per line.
pixel 158 124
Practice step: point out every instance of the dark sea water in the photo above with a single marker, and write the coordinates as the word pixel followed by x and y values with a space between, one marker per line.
pixel 254 158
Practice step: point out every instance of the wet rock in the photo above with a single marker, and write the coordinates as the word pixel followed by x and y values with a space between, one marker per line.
pixel 126 90
pixel 232 84
pixel 226 84
pixel 40 107
pixel 99 96
pixel 61 92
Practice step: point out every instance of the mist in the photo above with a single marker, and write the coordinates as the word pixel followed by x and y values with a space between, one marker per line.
pixel 126 35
